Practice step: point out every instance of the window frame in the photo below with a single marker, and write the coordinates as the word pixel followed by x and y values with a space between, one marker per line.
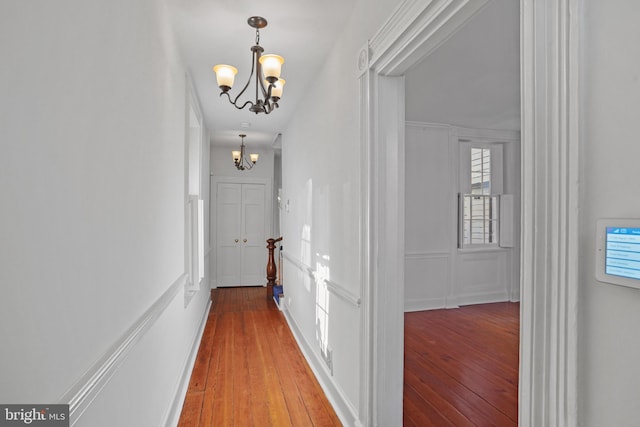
pixel 194 200
pixel 496 171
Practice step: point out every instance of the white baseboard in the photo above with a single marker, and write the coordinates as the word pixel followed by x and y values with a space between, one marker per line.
pixel 515 295
pixel 483 298
pixel 279 305
pixel 421 304
pixel 173 416
pixel 344 410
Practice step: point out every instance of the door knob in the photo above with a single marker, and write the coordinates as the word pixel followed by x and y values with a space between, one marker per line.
pixel 236 240
pixel 245 240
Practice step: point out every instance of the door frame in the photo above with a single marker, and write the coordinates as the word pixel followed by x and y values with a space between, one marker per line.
pixel 549 31
pixel 213 205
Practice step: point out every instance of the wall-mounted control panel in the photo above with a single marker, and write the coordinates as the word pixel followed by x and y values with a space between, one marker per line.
pixel 618 252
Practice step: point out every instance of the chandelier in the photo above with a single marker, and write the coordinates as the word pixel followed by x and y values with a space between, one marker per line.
pixel 239 157
pixel 267 76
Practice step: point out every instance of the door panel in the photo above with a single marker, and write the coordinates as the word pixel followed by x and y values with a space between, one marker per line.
pixel 228 227
pixel 241 234
pixel 254 256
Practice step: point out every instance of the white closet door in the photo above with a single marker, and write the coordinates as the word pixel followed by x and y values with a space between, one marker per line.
pixel 254 252
pixel 240 225
pixel 228 228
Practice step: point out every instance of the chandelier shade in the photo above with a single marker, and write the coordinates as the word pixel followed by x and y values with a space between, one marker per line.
pixel 225 75
pixel 276 92
pixel 267 69
pixel 271 67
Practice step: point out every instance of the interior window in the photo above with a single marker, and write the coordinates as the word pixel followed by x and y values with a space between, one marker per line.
pixel 479 202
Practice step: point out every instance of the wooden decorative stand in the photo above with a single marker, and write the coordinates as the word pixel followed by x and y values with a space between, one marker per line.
pixel 272 270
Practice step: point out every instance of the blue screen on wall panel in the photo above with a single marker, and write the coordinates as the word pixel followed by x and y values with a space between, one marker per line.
pixel 623 252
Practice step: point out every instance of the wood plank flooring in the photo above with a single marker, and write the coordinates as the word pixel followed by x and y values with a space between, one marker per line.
pixel 249 370
pixel 461 366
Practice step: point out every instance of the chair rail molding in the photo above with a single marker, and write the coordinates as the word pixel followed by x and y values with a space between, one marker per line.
pixel 334 288
pixel 84 391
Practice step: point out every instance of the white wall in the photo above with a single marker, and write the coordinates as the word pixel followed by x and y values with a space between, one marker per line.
pixel 429 217
pixel 609 348
pixel 437 273
pixel 92 113
pixel 320 226
pixel 473 79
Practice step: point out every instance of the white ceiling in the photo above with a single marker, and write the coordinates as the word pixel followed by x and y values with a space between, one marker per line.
pixel 216 31
pixel 473 79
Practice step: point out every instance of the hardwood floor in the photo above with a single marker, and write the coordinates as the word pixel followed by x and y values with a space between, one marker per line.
pixel 249 370
pixel 461 366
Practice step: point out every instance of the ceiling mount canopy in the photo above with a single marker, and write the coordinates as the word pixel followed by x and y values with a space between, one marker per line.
pixel 239 157
pixel 268 84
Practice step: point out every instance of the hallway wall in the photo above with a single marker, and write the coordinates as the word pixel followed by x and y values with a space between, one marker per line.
pixel 321 214
pixel 609 348
pixel 92 166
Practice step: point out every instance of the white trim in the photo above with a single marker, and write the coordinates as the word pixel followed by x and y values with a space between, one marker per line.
pixel 414 124
pixel 366 238
pixel 460 132
pixel 295 261
pixel 333 287
pixel 173 415
pixel 416 29
pixel 194 101
pixel 493 135
pixel 483 298
pixel 87 388
pixel 344 294
pixel 550 216
pixel 387 264
pixel 550 124
pixel 426 255
pixel 339 401
pixel 423 304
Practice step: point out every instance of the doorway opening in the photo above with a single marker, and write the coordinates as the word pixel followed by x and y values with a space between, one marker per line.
pixel 462 223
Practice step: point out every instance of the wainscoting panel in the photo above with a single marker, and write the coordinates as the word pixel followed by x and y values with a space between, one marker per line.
pixel 427 280
pixel 437 273
pixel 152 360
pixel 315 309
pixel 482 277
